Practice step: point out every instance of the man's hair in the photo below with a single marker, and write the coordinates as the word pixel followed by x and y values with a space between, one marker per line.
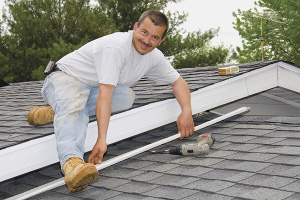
pixel 158 18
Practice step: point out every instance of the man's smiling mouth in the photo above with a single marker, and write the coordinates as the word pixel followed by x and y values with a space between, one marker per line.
pixel 145 45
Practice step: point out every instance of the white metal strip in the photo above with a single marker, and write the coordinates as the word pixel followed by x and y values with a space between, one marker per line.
pixel 60 182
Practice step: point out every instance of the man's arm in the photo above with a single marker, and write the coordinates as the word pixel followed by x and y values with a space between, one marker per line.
pixel 185 122
pixel 103 111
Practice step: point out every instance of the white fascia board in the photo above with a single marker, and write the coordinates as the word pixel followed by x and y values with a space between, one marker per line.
pixel 288 77
pixel 28 156
pixel 217 95
pixel 235 88
pixel 42 152
pixel 288 67
pixel 262 81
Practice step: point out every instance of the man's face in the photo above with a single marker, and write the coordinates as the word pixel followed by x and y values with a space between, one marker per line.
pixel 147 36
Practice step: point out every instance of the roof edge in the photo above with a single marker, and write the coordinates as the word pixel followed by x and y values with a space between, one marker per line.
pixel 141 119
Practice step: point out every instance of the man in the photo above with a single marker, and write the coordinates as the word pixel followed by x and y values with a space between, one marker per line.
pixel 96 79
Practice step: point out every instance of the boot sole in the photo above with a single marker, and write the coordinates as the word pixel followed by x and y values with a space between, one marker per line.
pixel 73 190
pixel 86 176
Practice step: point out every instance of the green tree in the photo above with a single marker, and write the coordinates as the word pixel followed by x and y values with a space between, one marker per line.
pixel 126 13
pixel 280 22
pixel 36 27
pixel 38 30
pixel 193 50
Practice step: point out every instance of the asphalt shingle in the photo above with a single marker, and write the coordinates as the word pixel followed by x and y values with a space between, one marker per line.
pixel 109 183
pixel 291 133
pixel 210 185
pixel 251 156
pixel 295 196
pixel 254 157
pixel 205 195
pixel 135 187
pixel 173 180
pixel 121 173
pixel 282 170
pixel 238 190
pixel 170 192
pixel 147 176
pixel 293 187
pixel 266 193
pixel 96 193
pixel 267 181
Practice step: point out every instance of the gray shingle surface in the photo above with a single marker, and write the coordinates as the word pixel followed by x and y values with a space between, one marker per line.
pixel 266 193
pixel 96 193
pixel 254 157
pixel 170 192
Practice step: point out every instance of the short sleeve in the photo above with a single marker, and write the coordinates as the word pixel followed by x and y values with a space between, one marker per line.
pixel 162 71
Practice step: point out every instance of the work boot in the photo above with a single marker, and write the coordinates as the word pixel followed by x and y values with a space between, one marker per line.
pixel 79 174
pixel 40 115
pixel 73 190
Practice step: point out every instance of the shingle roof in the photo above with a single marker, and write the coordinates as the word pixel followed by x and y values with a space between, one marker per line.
pixel 254 157
pixel 17 99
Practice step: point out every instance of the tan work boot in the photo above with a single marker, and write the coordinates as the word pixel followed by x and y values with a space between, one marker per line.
pixel 72 190
pixel 40 115
pixel 79 174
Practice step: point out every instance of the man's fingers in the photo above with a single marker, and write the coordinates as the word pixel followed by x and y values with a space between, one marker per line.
pixel 186 131
pixel 181 131
pixel 99 158
pixel 91 158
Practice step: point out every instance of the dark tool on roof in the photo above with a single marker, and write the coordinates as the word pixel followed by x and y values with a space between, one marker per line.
pixel 203 144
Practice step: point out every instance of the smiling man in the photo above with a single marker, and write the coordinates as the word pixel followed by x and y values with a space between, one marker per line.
pixel 96 79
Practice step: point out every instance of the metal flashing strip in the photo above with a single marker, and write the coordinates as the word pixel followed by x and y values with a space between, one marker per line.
pixel 117 159
pixel 135 121
pixel 280 99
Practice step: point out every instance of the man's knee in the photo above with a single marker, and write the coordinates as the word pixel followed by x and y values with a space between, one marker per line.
pixel 130 97
pixel 122 99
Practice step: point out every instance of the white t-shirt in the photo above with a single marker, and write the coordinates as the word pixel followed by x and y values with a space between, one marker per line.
pixel 113 60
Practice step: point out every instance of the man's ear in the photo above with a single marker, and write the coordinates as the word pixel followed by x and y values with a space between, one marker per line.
pixel 162 40
pixel 135 26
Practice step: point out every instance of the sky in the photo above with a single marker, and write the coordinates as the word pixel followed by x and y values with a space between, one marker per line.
pixel 206 14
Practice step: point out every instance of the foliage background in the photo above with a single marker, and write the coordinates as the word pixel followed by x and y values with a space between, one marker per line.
pixel 281 29
pixel 34 31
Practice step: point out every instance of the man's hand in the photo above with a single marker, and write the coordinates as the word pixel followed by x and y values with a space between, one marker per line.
pixel 185 124
pixel 98 151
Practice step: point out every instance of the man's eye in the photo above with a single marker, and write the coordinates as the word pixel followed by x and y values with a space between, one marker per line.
pixel 155 38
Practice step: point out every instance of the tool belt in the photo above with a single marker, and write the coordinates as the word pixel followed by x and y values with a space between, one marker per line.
pixel 56 69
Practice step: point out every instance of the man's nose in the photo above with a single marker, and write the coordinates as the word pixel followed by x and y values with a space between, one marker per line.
pixel 147 39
